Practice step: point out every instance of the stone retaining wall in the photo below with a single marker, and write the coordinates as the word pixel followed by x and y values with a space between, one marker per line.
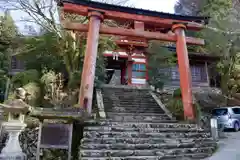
pixel 28 142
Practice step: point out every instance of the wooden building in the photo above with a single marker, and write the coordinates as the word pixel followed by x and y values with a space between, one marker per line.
pixel 16 66
pixel 201 67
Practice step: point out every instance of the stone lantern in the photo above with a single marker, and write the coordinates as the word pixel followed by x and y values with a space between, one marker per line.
pixel 16 110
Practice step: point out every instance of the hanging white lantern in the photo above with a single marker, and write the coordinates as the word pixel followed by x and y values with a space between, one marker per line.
pixel 115 55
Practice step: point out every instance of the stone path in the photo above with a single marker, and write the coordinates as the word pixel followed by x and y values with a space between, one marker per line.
pixel 229 148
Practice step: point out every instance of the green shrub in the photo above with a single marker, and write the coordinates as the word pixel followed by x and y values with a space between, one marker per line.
pixel 34 91
pixel 2 82
pixel 48 78
pixel 11 95
pixel 74 80
pixel 198 111
pixel 23 78
pixel 177 93
pixel 175 106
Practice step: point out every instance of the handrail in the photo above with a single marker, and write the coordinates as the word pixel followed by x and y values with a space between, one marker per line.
pixel 100 104
pixel 163 107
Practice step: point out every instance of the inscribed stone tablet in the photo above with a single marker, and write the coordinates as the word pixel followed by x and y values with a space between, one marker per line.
pixel 55 136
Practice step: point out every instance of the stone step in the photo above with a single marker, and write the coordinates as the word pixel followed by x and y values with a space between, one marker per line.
pixel 123 93
pixel 130 99
pixel 113 94
pixel 145 146
pixel 132 103
pixel 136 105
pixel 164 127
pixel 141 130
pixel 137 114
pixel 137 117
pixel 127 97
pixel 107 134
pixel 136 109
pixel 158 152
pixel 196 156
pixel 122 120
pixel 136 97
pixel 133 109
pixel 125 88
pixel 145 140
pixel 142 101
pixel 126 91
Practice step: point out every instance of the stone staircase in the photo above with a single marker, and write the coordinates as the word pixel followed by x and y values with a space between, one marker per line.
pixel 137 128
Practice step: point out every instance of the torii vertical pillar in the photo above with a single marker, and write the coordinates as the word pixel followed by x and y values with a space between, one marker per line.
pixel 184 71
pixel 129 69
pixel 89 66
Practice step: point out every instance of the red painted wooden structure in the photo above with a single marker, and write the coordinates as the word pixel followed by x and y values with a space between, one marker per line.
pixel 147 25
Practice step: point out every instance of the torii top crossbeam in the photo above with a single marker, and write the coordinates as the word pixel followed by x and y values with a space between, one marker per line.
pixel 115 12
pixel 142 21
pixel 152 20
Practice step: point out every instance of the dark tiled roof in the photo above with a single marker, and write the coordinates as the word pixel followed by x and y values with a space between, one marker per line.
pixel 131 10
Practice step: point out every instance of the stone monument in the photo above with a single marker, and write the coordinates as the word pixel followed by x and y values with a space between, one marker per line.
pixel 16 110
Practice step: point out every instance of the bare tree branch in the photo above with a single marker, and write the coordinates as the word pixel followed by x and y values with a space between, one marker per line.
pixel 45 12
pixel 236 32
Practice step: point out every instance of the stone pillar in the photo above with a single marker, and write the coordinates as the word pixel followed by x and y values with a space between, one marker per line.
pixel 89 66
pixel 184 71
pixel 214 128
pixel 16 110
pixel 12 150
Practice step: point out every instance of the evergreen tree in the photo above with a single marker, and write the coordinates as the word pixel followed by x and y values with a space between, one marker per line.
pixel 8 35
pixel 160 60
pixel 188 7
pixel 221 36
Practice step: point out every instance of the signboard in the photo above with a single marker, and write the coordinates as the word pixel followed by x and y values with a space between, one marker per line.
pixel 55 136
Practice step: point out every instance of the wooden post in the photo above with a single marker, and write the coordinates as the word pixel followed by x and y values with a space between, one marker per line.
pixel 39 140
pixel 139 26
pixel 89 66
pixel 184 71
pixel 70 132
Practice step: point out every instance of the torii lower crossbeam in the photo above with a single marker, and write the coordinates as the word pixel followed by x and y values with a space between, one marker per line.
pixel 131 33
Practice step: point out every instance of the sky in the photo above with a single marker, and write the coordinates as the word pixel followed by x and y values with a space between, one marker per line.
pixel 156 5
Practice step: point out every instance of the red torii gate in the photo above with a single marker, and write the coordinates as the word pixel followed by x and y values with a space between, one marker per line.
pixel 97 12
